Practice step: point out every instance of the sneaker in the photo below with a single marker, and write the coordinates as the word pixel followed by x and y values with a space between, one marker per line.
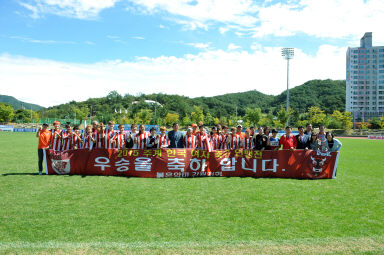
pixel 40 173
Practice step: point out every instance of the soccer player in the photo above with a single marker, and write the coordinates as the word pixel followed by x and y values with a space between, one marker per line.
pixel 189 139
pixel 332 144
pixel 77 138
pixel 215 139
pixel 151 142
pixel 194 129
pixel 260 140
pixel 247 142
pixel 234 140
pixel 67 138
pixel 99 136
pixel 44 136
pixel 239 132
pixel 119 138
pixel 202 139
pixel 224 139
pixel 162 140
pixel 108 135
pixel 288 140
pixel 175 137
pixel 141 138
pixel 94 126
pixel 252 131
pixel 88 138
pixel 56 136
pixel 274 141
pixel 218 129
pixel 303 140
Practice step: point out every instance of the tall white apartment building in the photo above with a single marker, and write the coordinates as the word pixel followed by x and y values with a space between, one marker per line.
pixel 365 80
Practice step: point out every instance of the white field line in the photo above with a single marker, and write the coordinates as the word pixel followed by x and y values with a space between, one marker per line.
pixel 176 244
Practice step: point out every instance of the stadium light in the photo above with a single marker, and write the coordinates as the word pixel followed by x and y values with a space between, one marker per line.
pixel 288 54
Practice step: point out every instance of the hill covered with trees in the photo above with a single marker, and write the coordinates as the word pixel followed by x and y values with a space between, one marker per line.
pixel 308 101
pixel 17 104
pixel 328 95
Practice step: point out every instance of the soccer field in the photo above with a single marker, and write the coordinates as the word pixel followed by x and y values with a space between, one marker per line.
pixel 119 215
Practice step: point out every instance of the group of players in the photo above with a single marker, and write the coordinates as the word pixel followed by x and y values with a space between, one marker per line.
pixel 219 137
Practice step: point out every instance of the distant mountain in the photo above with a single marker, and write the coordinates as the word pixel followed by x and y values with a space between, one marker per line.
pixel 17 104
pixel 235 102
pixel 329 95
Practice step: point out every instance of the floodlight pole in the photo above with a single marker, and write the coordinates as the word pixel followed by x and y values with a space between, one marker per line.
pixel 288 54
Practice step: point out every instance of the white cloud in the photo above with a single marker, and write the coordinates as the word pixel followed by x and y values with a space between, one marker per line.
pixel 208 73
pixel 138 38
pixel 223 30
pixel 80 9
pixel 199 14
pixel 233 46
pixel 199 45
pixel 346 19
pixel 326 18
pixel 31 40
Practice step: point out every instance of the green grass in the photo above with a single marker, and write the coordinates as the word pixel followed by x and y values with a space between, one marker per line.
pixel 118 215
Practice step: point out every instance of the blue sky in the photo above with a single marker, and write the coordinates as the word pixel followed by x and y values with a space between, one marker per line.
pixel 193 48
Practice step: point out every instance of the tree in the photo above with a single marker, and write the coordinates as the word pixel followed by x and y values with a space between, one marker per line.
pixel 316 115
pixel 344 118
pixel 197 115
pixel 253 116
pixel 81 112
pixel 6 112
pixel 145 115
pixel 381 123
pixel 283 116
pixel 186 121
pixel 171 118
pixel 209 119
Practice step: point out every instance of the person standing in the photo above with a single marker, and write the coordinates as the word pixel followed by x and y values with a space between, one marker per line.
pixel 66 139
pixel 57 134
pixel 175 137
pixel 141 138
pixel 224 139
pixel 260 140
pixel 109 134
pixel 314 143
pixel 202 140
pixel 162 140
pixel 233 140
pixel 288 140
pixel 302 139
pixel 321 135
pixel 308 130
pixel 215 139
pixel 44 136
pixel 239 131
pixel 88 138
pixel 332 144
pixel 119 138
pixel 151 141
pixel 247 142
pixel 189 139
pixel 274 141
